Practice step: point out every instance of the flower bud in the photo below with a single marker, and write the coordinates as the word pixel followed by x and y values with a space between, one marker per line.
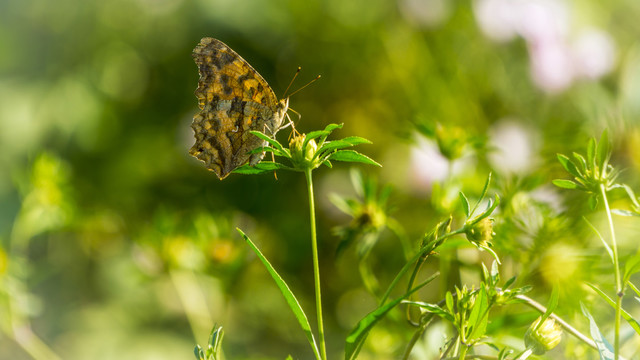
pixel 481 233
pixel 301 154
pixel 544 338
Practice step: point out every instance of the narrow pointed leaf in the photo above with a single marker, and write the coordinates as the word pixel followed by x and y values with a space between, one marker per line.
pixel 622 212
pixel 483 194
pixel 268 139
pixel 565 184
pixel 568 165
pixel 581 161
pixel 292 301
pixel 432 308
pixel 604 242
pixel 604 348
pixel 198 352
pixel 352 156
pixel 479 316
pixel 465 205
pixel 625 315
pixel 261 168
pixel 275 151
pixel 551 306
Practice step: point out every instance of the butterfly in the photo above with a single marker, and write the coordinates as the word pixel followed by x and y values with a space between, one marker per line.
pixel 234 100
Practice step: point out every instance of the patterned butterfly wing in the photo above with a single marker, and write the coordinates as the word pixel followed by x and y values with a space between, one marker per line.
pixel 233 99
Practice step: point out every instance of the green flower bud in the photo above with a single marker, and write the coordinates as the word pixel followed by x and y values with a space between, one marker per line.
pixel 301 154
pixel 481 233
pixel 546 337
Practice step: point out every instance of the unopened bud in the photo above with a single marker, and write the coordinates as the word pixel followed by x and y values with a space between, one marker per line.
pixel 544 338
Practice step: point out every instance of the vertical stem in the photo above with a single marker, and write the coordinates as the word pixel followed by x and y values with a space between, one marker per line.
pixel 316 265
pixel 616 265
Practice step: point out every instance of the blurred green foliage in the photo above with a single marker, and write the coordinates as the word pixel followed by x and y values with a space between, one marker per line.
pixel 114 243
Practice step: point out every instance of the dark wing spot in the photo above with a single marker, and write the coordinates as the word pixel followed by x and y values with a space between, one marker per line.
pixel 243 78
pixel 224 78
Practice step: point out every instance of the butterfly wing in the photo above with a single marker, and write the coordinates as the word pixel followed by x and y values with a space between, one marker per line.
pixel 233 99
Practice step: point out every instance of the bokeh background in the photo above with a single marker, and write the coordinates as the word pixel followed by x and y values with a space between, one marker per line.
pixel 116 244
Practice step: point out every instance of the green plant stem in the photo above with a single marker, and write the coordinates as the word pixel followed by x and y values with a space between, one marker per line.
pixel 316 265
pixel 425 249
pixel 570 329
pixel 616 265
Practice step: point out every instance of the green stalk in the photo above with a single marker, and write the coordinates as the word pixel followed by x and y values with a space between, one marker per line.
pixel 616 265
pixel 316 265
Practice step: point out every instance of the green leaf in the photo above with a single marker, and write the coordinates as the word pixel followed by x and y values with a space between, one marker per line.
pixel 492 205
pixel 268 139
pixel 568 165
pixel 483 194
pixel 604 348
pixel 262 149
pixel 565 184
pixel 344 205
pixel 634 288
pixel 261 168
pixel 509 282
pixel 622 212
pixel 604 242
pixel 321 134
pixel 465 204
pixel 199 353
pixel 293 303
pixel 352 156
pixel 625 315
pixel 583 163
pixel 631 195
pixel 449 301
pixel 432 308
pixel 356 338
pixel 479 316
pixel 329 146
pixel 551 306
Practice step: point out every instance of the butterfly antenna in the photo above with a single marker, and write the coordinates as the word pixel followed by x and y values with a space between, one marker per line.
pixel 291 82
pixel 309 83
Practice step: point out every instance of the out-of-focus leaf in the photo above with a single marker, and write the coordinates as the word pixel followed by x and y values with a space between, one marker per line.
pixel 625 315
pixel 432 308
pixel 551 306
pixel 568 165
pixel 565 184
pixel 604 348
pixel 622 212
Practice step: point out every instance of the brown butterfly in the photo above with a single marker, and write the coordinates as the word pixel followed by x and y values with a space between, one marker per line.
pixel 233 99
